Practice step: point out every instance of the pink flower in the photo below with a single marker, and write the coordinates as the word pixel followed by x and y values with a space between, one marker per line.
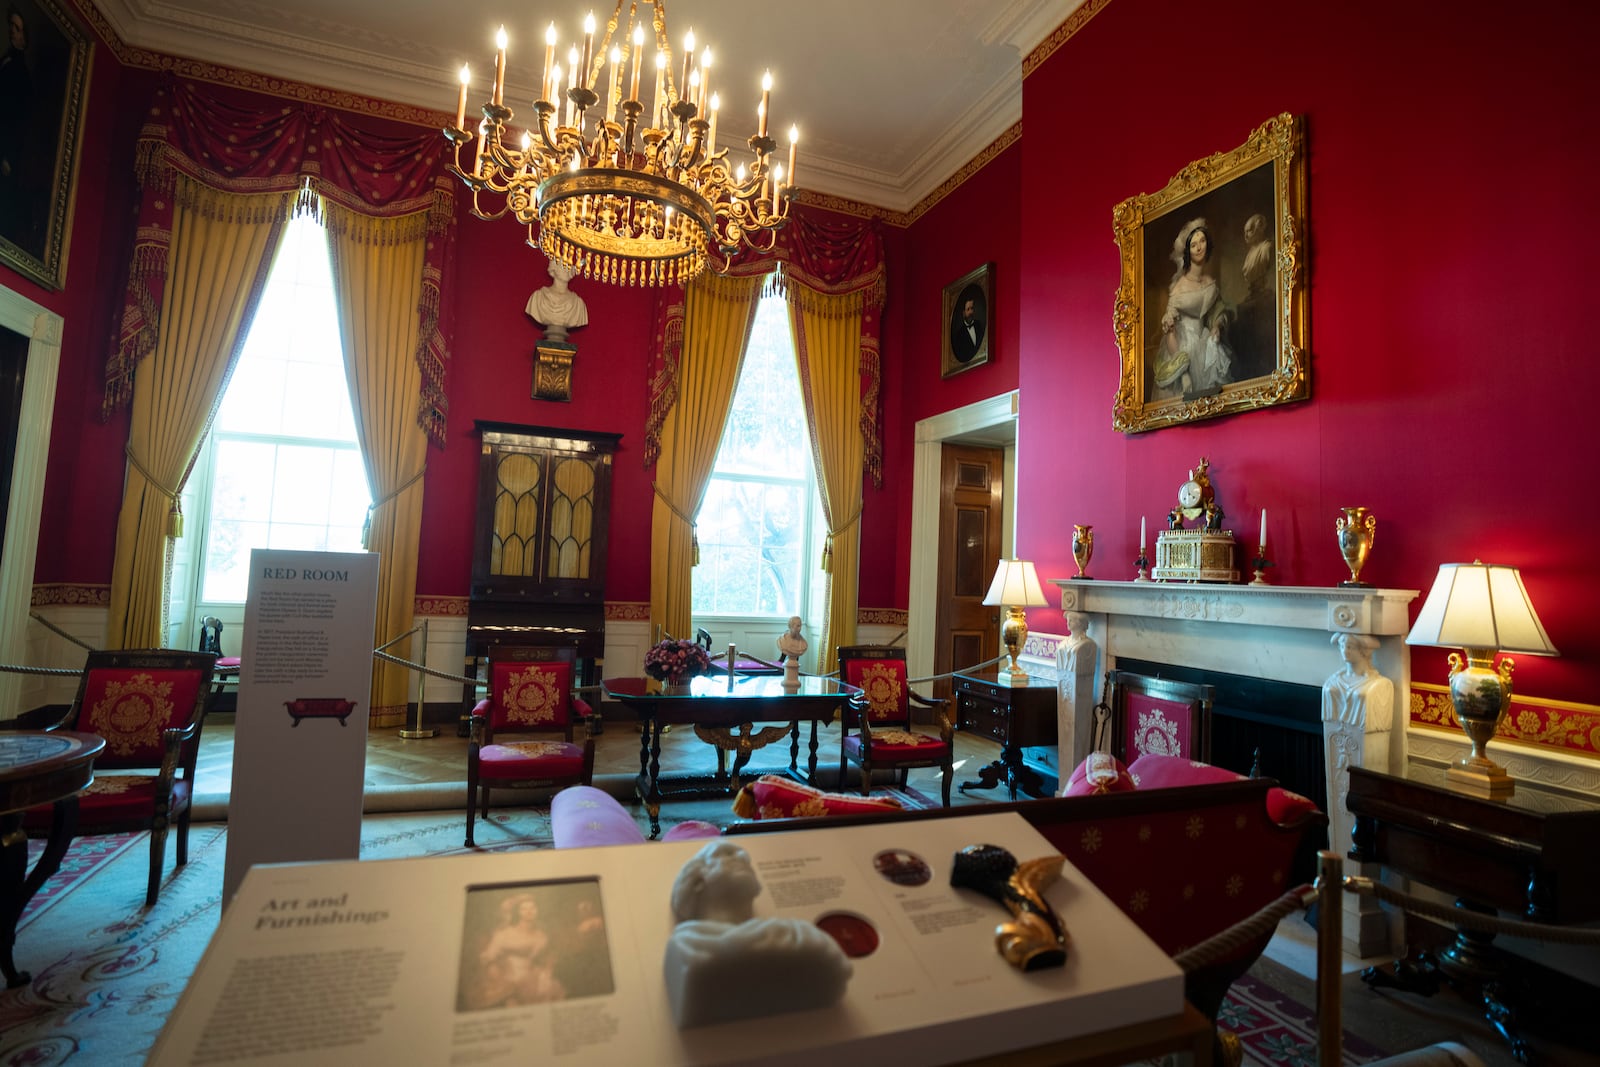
pixel 676 661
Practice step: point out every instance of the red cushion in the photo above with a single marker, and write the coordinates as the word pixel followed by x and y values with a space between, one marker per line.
pixel 1100 772
pixel 1284 807
pixel 115 800
pixel 531 759
pixel 897 746
pixel 772 797
pixel 1164 772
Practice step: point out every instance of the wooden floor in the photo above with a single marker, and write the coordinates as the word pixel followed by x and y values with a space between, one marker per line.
pixel 393 763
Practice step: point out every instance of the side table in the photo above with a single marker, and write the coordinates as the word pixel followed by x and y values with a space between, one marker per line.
pixel 1018 713
pixel 36 767
pixel 1531 855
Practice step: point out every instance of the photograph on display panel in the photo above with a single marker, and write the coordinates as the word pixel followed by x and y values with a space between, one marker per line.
pixel 533 943
pixel 1210 315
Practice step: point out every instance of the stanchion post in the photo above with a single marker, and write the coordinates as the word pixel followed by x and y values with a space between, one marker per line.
pixel 1330 957
pixel 422 694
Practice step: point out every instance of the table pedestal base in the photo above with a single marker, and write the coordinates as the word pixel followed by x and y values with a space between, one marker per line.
pixel 18 884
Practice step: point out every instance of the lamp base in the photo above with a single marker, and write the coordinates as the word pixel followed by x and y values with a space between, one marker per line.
pixel 1486 779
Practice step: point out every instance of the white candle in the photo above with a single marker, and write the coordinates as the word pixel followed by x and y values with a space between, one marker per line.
pixel 500 67
pixel 638 58
pixel 688 56
pixel 1141 534
pixel 657 102
pixel 711 136
pixel 794 141
pixel 766 102
pixel 461 104
pixel 546 87
pixel 588 50
pixel 1263 541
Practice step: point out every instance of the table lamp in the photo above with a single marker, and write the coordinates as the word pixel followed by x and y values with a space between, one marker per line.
pixel 1015 585
pixel 1484 609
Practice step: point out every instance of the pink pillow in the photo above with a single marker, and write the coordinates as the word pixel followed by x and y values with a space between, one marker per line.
pixel 1284 807
pixel 1100 772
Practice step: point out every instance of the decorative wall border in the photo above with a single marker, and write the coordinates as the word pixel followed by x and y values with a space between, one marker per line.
pixel 1065 32
pixel 68 593
pixel 1536 723
pixel 627 611
pixel 882 617
pixel 217 74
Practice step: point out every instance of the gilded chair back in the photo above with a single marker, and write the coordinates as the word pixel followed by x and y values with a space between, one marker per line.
pixel 130 697
pixel 532 693
pixel 879 671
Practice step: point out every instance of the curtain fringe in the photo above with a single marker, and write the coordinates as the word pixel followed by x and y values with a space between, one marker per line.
pixel 246 210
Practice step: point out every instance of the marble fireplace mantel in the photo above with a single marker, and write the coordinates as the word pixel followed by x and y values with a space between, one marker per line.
pixel 1281 633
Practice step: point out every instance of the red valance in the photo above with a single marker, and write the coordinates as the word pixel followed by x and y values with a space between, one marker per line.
pixel 239 142
pixel 837 257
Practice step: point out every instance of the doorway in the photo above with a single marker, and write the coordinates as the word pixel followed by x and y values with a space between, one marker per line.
pixel 990 423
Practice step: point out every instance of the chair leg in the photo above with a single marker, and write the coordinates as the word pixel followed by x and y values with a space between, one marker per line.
pixel 183 837
pixel 158 855
pixel 944 790
pixel 472 806
pixel 866 775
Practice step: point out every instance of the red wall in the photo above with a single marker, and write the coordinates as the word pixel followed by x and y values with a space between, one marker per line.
pixel 1452 242
pixel 975 223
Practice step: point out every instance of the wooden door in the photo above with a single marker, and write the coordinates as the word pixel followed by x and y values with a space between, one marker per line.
pixel 970 498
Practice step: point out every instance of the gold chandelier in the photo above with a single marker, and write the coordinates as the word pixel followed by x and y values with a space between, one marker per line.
pixel 624 194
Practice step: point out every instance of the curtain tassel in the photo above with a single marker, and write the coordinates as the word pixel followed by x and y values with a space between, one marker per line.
pixel 366 531
pixel 827 555
pixel 175 520
pixel 694 545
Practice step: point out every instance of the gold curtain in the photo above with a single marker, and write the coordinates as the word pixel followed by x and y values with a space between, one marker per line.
pixel 718 315
pixel 827 342
pixel 221 253
pixel 377 275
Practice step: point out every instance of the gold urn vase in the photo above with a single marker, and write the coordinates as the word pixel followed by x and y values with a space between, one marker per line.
pixel 1355 529
pixel 1082 548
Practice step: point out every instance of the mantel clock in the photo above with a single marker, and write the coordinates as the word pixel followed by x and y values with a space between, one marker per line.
pixel 1201 554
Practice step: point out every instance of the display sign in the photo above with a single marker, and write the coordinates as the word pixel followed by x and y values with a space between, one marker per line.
pixel 300 734
pixel 550 956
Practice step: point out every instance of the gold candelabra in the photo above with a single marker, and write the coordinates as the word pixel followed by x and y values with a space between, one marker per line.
pixel 624 194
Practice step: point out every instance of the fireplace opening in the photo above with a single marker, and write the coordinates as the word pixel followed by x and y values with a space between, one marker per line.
pixel 1282 721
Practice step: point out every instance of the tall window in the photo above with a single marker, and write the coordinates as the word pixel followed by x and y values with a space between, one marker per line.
pixel 759 525
pixel 282 468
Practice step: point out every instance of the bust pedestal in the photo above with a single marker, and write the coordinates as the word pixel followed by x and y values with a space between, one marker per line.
pixel 552 370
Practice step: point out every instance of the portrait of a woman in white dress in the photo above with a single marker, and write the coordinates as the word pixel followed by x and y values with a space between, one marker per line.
pixel 1193 356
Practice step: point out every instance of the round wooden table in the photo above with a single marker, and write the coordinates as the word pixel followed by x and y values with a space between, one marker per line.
pixel 36 768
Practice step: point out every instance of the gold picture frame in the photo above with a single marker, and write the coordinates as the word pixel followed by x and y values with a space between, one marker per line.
pixel 963 345
pixel 1216 326
pixel 43 87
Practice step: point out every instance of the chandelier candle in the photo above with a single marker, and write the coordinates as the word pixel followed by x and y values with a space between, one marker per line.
pixel 500 67
pixel 546 86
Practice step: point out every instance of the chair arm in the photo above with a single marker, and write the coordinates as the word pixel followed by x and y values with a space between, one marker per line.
pixel 172 740
pixel 478 723
pixel 581 707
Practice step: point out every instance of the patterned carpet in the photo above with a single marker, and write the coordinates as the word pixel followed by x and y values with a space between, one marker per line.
pixel 107 970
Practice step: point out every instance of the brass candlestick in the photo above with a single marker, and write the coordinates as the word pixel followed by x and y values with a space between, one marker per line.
pixel 1356 528
pixel 1082 548
pixel 1260 563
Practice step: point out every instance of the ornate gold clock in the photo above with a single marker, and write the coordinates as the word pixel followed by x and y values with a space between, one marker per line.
pixel 1202 554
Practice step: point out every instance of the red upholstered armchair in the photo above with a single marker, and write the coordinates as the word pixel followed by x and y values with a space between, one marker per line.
pixel 525 734
pixel 882 734
pixel 148 705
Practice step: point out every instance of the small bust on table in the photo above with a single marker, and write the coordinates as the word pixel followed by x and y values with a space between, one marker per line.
pixel 556 307
pixel 791 646
pixel 722 963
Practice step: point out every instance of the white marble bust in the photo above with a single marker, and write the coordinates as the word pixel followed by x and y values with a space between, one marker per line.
pixel 722 963
pixel 556 307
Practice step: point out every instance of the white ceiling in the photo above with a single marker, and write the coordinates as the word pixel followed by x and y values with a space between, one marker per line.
pixel 891 96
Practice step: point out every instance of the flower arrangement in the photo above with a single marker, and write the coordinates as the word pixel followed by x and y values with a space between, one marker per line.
pixel 676 660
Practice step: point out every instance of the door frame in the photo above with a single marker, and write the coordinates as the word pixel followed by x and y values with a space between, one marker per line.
pixel 43 329
pixel 991 422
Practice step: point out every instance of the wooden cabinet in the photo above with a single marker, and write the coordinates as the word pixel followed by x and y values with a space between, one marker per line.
pixel 539 548
pixel 1019 715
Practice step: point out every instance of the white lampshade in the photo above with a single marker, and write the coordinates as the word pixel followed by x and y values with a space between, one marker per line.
pixel 1480 605
pixel 1016 583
